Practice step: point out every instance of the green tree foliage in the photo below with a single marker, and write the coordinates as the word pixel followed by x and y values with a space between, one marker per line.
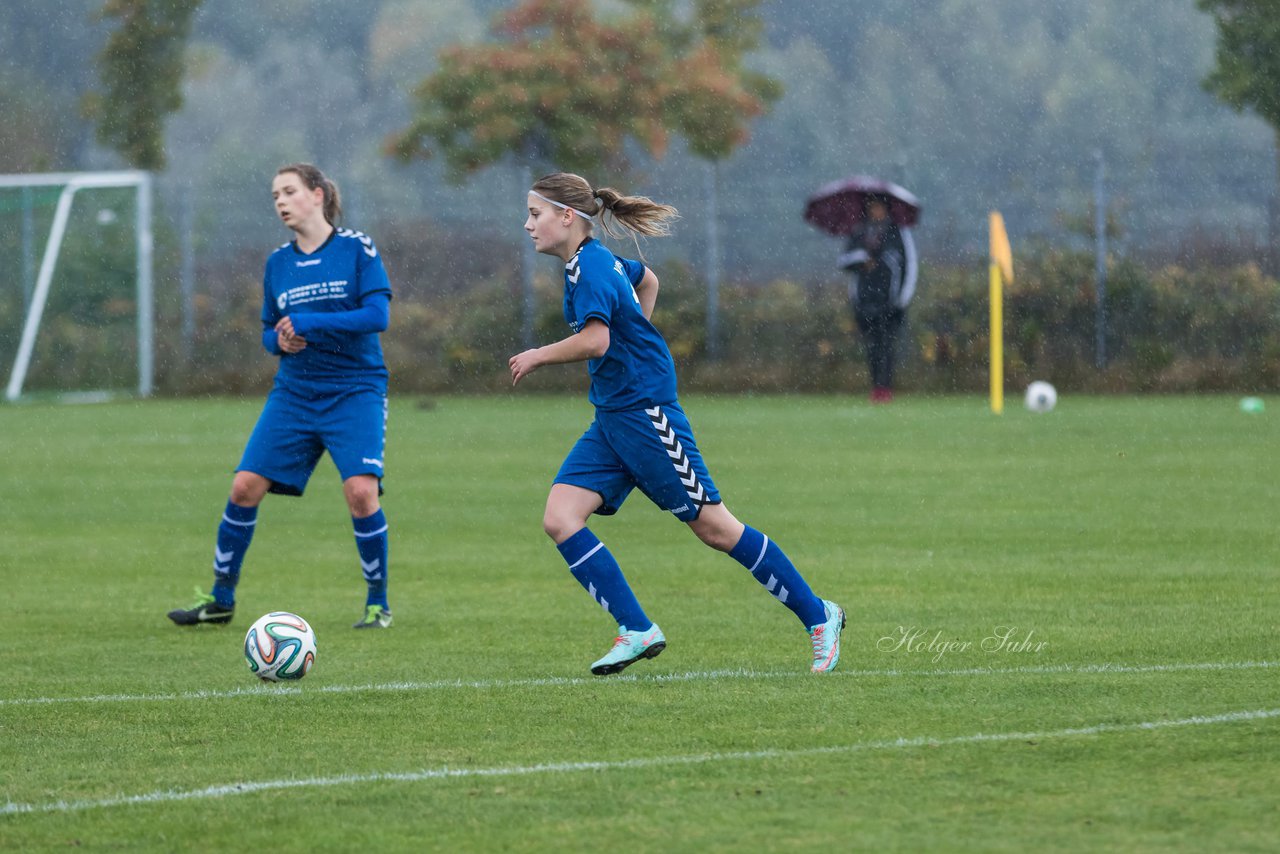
pixel 561 85
pixel 1247 75
pixel 557 84
pixel 715 95
pixel 142 69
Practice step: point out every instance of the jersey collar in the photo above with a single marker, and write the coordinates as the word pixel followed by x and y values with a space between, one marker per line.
pixel 318 249
pixel 583 245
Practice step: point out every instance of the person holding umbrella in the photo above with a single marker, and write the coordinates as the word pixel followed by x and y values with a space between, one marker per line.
pixel 881 258
pixel 880 255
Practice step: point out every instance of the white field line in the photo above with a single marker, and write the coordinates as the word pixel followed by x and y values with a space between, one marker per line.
pixel 260 690
pixel 445 773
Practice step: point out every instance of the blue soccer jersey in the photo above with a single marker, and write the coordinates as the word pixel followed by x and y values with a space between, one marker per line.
pixel 336 298
pixel 637 370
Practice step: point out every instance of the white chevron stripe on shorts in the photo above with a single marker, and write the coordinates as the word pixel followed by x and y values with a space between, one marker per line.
pixel 679 459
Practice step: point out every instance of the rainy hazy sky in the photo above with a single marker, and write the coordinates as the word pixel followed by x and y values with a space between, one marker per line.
pixel 972 105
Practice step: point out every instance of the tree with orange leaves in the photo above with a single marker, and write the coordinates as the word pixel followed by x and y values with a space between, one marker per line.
pixel 561 85
pixel 716 95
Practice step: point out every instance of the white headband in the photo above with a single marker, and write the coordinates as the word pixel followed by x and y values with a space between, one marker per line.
pixel 587 216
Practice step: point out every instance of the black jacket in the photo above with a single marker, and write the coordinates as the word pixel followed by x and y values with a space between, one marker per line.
pixel 882 260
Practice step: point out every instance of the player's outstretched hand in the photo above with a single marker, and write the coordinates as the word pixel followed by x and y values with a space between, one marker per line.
pixel 523 364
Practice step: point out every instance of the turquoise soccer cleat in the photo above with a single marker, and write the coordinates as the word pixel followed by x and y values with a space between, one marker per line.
pixel 826 638
pixel 630 647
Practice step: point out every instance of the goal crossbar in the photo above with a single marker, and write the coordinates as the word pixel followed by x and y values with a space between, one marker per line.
pixel 71 183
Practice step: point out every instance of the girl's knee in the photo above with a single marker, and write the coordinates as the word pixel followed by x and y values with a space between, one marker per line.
pixel 362 497
pixel 568 509
pixel 717 527
pixel 248 489
pixel 718 538
pixel 559 526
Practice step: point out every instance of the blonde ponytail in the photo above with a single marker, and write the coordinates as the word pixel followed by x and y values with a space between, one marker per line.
pixel 636 214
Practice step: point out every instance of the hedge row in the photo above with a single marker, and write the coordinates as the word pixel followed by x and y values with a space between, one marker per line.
pixel 1169 329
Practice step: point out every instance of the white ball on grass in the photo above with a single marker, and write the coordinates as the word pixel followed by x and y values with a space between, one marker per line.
pixel 280 646
pixel 1041 397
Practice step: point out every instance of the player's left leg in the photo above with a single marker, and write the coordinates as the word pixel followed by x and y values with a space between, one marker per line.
pixel 355 436
pixel 762 557
pixel 372 544
pixel 770 566
pixel 675 478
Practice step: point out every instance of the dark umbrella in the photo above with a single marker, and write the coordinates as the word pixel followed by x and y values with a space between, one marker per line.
pixel 839 206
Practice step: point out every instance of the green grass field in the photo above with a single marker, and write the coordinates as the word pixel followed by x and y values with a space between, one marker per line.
pixel 1127 547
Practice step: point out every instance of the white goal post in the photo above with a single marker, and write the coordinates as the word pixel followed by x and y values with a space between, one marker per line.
pixel 71 182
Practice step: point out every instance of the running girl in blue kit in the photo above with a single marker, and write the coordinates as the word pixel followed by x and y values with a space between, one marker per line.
pixel 326 297
pixel 640 436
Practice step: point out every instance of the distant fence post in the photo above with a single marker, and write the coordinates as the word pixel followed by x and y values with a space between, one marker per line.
pixel 1270 253
pixel 528 258
pixel 713 260
pixel 187 270
pixel 1100 260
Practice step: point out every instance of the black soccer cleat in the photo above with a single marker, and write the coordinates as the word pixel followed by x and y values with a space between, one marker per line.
pixel 375 617
pixel 205 610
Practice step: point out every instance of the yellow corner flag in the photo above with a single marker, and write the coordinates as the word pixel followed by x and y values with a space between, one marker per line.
pixel 1001 265
pixel 1001 254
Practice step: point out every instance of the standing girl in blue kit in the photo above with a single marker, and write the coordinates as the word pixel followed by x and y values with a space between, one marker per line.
pixel 326 297
pixel 640 436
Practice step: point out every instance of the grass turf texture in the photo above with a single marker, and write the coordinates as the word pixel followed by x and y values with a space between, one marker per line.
pixel 1132 540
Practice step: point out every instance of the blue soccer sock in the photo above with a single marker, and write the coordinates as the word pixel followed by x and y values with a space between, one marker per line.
pixel 371 542
pixel 234 534
pixel 597 571
pixel 772 568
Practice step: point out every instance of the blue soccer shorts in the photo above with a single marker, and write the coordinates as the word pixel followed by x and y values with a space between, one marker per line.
pixel 293 432
pixel 652 449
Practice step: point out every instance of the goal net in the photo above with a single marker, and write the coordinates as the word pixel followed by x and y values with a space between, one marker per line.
pixel 76 316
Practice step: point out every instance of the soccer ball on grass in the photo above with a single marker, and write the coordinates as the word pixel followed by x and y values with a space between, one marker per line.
pixel 1041 397
pixel 280 646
